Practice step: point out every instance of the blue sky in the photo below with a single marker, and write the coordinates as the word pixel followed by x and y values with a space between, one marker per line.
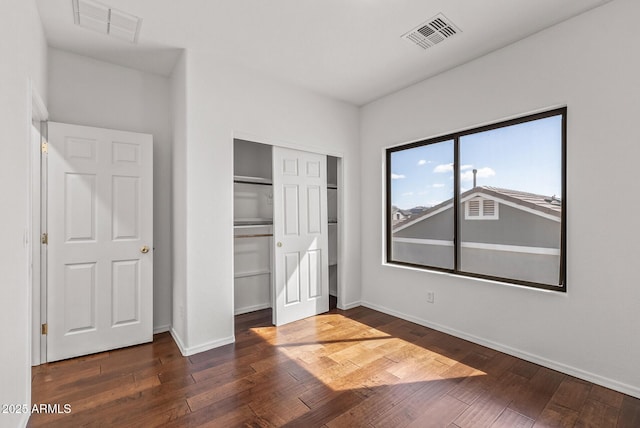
pixel 525 157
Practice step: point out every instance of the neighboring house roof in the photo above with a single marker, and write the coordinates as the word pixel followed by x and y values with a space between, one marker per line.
pixel 546 206
pixel 405 213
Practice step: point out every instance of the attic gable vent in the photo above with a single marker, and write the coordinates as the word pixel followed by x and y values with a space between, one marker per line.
pixel 473 208
pixel 432 32
pixel 488 208
pixel 480 208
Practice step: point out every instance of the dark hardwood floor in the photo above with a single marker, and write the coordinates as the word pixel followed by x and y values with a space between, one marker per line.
pixel 356 368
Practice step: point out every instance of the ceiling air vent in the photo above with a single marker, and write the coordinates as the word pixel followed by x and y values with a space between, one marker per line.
pixel 106 20
pixel 432 32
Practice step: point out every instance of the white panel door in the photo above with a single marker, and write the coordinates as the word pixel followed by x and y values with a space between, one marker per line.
pixel 100 233
pixel 300 235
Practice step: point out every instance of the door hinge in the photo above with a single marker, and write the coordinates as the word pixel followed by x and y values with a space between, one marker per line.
pixel 45 238
pixel 45 329
pixel 45 147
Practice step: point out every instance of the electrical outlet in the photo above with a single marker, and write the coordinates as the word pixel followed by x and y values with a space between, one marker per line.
pixel 430 296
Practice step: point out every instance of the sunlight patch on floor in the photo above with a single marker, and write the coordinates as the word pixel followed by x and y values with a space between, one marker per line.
pixel 333 347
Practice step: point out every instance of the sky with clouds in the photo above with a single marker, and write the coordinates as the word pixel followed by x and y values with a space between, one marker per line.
pixel 525 157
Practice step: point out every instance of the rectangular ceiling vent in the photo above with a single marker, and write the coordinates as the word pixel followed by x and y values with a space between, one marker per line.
pixel 432 32
pixel 106 20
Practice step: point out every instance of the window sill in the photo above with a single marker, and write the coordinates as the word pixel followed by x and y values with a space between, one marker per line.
pixel 562 291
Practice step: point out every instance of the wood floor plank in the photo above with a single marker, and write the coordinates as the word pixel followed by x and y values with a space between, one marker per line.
pixel 511 419
pixel 532 400
pixel 355 368
pixel 410 409
pixel 572 393
pixel 606 396
pixel 439 413
pixel 596 414
pixel 483 412
pixel 383 399
pixel 556 416
pixel 328 410
pixel 629 413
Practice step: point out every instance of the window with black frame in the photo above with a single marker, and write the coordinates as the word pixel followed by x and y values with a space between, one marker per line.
pixel 487 202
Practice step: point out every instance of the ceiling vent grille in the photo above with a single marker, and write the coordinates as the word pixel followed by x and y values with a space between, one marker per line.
pixel 432 32
pixel 106 20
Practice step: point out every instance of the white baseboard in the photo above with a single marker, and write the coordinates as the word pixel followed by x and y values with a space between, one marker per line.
pixel 347 306
pixel 161 328
pixel 185 351
pixel 554 365
pixel 247 309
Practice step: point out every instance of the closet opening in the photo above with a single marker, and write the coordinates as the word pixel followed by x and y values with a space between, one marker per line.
pixel 256 256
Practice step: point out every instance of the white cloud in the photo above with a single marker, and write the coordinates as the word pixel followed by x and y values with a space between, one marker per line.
pixel 448 167
pixel 422 162
pixel 485 172
pixel 407 194
pixel 438 185
pixel 445 167
pixel 397 176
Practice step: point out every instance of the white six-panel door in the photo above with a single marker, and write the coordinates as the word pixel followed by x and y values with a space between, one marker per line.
pixel 100 240
pixel 300 235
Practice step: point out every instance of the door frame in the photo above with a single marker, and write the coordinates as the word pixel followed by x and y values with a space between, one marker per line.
pixel 241 135
pixel 36 268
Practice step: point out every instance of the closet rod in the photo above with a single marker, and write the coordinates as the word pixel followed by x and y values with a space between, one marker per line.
pixel 259 235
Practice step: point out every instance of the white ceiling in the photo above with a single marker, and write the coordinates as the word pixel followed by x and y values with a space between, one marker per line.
pixel 347 49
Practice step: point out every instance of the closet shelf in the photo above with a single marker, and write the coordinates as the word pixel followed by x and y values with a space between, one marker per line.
pixel 332 187
pixel 252 273
pixel 245 179
pixel 333 222
pixel 247 223
pixel 257 235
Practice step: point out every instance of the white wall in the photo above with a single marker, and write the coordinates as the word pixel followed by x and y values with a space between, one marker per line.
pixel 590 64
pixel 222 102
pixel 85 91
pixel 23 50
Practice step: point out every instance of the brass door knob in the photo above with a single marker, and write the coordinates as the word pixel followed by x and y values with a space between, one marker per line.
pixel 279 244
pixel 144 250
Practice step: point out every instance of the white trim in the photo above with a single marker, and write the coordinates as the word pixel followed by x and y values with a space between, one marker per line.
pixel 253 308
pixel 482 246
pixel 38 107
pixel 421 241
pixel 24 420
pixel 536 359
pixel 185 351
pixel 161 328
pixel 37 262
pixel 347 306
pixel 512 248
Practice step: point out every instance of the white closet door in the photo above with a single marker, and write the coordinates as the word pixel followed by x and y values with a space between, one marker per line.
pixel 300 235
pixel 100 231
